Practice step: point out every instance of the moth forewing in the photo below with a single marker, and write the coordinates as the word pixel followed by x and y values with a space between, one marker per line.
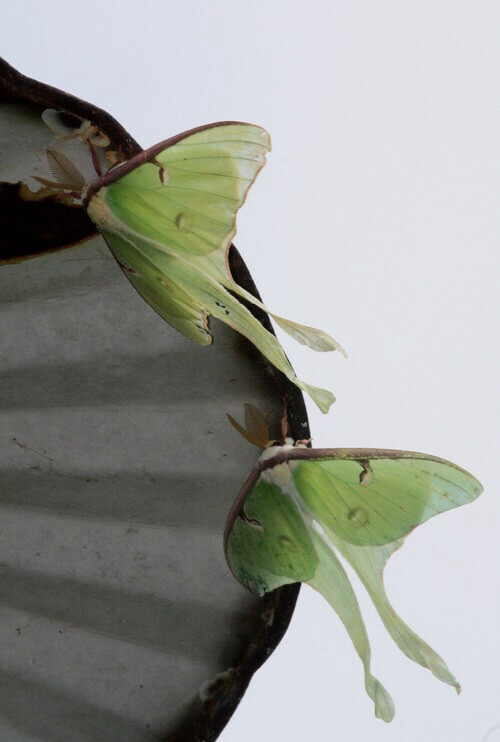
pixel 375 496
pixel 365 497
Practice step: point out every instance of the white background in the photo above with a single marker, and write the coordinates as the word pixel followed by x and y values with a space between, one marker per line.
pixel 376 218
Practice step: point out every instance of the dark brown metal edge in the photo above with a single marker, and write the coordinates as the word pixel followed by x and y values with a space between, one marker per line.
pixel 62 226
pixel 18 88
pixel 278 604
pixel 278 607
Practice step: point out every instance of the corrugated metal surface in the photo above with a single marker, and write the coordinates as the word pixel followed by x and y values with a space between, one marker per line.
pixel 119 619
pixel 118 468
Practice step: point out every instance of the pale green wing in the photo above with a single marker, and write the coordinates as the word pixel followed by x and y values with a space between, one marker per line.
pixel 363 503
pixel 349 502
pixel 185 200
pixel 369 563
pixel 375 497
pixel 184 297
pixel 169 216
pixel 269 544
pixel 156 277
pixel 332 582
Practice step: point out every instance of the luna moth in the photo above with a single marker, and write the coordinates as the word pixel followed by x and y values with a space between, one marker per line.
pixel 302 510
pixel 168 216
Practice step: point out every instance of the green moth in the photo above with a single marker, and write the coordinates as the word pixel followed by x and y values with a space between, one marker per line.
pixel 168 215
pixel 302 508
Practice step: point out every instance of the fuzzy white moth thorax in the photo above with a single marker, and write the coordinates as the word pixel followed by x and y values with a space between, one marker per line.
pixel 271 451
pixel 281 474
pixel 98 210
pixel 103 217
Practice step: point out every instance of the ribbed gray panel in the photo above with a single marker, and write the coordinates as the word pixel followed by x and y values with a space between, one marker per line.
pixel 118 468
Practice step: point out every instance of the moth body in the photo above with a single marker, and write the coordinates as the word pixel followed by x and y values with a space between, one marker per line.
pixel 99 212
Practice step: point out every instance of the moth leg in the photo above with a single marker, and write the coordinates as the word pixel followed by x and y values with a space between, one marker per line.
pixel 285 424
pixel 95 159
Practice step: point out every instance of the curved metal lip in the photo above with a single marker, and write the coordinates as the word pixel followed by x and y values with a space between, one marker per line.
pixel 17 88
pixel 203 725
pixel 62 227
